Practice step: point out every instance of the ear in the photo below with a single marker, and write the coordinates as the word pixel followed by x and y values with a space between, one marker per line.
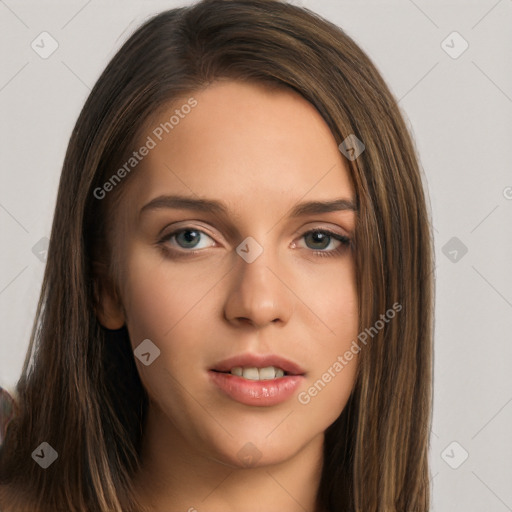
pixel 107 303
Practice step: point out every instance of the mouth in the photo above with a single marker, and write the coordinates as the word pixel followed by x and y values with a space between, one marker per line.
pixel 253 373
pixel 258 367
pixel 257 380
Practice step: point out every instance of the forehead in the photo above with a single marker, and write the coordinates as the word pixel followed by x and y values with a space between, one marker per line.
pixel 242 141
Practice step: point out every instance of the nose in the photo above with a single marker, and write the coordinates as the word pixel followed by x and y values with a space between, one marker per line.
pixel 258 294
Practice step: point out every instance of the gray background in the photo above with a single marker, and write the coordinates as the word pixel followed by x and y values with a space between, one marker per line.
pixel 459 111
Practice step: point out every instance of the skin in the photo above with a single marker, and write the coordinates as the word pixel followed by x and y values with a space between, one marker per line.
pixel 261 152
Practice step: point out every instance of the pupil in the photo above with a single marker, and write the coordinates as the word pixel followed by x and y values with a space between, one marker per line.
pixel 189 235
pixel 321 237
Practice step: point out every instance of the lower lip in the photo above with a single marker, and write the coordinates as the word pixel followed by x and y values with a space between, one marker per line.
pixel 257 392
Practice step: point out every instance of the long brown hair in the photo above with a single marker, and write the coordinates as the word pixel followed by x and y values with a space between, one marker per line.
pixel 80 391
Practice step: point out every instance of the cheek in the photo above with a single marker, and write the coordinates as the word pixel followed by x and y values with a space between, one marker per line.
pixel 158 297
pixel 169 306
pixel 331 296
pixel 326 395
pixel 335 356
pixel 159 304
pixel 334 362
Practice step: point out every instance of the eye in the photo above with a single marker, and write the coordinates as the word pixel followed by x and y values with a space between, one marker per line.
pixel 190 238
pixel 323 238
pixel 187 238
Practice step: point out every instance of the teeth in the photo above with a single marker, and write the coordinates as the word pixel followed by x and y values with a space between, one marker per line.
pixel 267 373
pixel 251 374
pixel 237 371
pixel 270 372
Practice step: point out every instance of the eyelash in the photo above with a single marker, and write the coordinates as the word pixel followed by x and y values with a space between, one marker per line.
pixel 345 243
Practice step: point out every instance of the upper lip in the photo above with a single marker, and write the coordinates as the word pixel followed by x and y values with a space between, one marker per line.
pixel 259 361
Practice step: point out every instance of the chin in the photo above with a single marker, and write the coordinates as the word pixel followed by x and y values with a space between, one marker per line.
pixel 253 451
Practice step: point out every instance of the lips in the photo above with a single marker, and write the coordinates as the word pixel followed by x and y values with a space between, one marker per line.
pixel 259 361
pixel 262 392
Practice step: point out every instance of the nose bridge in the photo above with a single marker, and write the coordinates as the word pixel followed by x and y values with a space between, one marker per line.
pixel 257 294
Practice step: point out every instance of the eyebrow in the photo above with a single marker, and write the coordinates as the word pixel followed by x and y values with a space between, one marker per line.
pixel 217 207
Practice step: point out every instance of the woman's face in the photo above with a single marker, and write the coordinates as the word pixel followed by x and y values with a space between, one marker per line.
pixel 245 278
